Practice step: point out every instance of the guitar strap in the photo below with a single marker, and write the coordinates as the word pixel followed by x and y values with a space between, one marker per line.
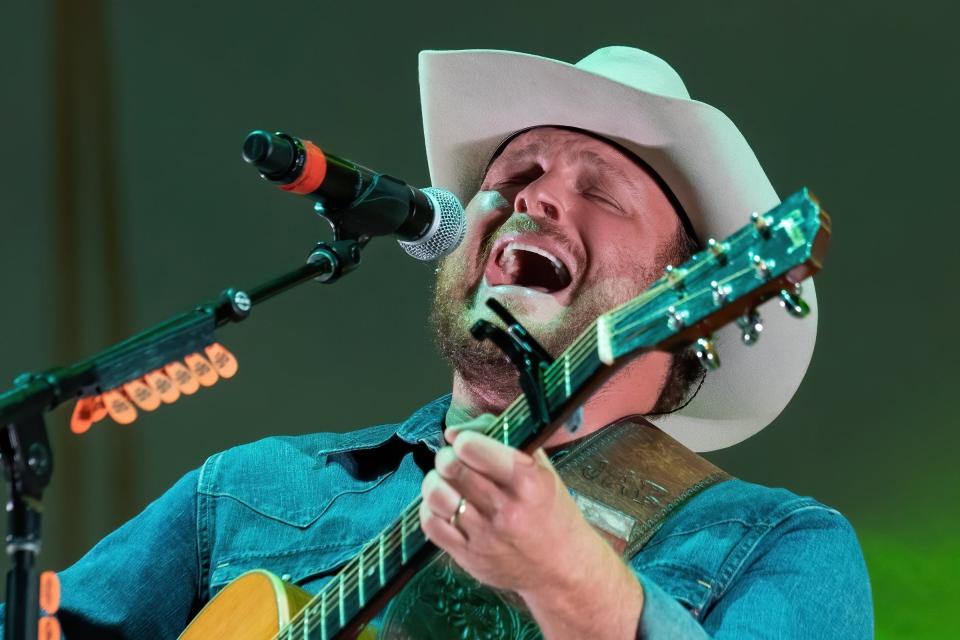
pixel 629 477
pixel 626 478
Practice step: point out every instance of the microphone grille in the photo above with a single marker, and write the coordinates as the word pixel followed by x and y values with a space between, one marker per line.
pixel 446 232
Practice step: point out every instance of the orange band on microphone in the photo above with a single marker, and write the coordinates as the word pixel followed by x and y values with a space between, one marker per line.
pixel 314 171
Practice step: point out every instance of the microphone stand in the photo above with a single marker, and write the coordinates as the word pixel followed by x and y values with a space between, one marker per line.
pixel 25 452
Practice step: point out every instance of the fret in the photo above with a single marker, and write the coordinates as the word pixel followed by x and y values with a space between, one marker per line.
pixel 343 613
pixel 323 614
pixel 383 579
pixel 306 623
pixel 604 346
pixel 361 578
pixel 566 375
pixel 506 430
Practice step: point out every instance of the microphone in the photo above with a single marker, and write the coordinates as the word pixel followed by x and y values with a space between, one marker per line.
pixel 358 201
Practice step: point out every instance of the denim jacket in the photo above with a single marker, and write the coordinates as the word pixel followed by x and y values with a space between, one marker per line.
pixel 736 561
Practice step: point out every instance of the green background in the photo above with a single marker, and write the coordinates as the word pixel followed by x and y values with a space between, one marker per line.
pixel 158 212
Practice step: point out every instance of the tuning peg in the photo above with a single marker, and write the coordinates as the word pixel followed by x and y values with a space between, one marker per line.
pixel 718 250
pixel 751 325
pixel 706 353
pixel 675 277
pixel 720 293
pixel 762 267
pixel 676 320
pixel 761 224
pixel 793 303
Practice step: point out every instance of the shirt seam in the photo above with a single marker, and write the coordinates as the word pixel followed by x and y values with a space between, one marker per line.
pixel 776 518
pixel 738 557
pixel 205 509
pixel 372 486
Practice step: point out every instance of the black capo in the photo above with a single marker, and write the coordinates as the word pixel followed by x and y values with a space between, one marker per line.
pixel 526 354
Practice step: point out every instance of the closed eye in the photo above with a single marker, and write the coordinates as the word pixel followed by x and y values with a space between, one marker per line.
pixel 603 198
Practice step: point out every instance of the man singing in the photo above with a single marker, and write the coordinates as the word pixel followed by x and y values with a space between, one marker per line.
pixel 584 183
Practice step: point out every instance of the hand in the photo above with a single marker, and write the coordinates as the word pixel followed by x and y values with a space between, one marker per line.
pixel 520 530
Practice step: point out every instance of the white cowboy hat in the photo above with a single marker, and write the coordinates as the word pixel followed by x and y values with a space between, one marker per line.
pixel 475 99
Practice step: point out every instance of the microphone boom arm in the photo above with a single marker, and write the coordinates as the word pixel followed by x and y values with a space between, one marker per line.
pixel 25 452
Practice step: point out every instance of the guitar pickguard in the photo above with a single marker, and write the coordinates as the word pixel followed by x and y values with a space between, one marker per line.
pixel 444 602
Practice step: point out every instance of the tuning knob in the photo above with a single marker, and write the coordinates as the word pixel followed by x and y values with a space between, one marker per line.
pixel 793 303
pixel 751 325
pixel 707 353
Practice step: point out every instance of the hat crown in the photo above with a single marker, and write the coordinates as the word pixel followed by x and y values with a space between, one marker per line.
pixel 635 68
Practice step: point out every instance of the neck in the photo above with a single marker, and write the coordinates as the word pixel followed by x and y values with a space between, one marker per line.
pixel 633 390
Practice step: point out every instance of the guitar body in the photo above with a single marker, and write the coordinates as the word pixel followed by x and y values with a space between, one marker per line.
pixel 255 606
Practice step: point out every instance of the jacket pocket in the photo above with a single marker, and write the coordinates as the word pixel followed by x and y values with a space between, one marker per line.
pixel 685 584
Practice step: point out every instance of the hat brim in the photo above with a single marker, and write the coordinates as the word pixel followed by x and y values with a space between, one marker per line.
pixel 472 100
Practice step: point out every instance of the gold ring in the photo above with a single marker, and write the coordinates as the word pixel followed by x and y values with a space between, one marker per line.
pixel 461 507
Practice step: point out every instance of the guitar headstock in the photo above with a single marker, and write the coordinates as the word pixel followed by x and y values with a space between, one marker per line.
pixel 767 258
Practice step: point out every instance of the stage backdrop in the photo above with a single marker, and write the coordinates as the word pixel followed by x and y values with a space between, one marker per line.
pixel 124 200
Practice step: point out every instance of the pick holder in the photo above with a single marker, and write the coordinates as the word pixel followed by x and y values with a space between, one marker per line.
pixel 26 458
pixel 526 354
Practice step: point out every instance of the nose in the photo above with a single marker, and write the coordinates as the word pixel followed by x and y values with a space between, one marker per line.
pixel 536 199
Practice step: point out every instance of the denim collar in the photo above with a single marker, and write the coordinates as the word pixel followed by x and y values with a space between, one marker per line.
pixel 426 424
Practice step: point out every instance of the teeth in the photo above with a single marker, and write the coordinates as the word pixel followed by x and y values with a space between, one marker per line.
pixel 558 266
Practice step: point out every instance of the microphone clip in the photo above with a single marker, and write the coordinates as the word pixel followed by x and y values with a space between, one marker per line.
pixel 336 259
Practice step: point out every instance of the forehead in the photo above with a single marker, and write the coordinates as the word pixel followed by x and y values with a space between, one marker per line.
pixel 587 154
pixel 557 143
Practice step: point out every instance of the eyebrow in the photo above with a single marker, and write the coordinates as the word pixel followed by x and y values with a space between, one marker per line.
pixel 582 157
pixel 605 170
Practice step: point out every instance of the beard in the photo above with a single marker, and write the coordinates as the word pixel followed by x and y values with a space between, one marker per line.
pixel 487 375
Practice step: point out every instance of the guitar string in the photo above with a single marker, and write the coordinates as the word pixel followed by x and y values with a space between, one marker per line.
pixel 582 343
pixel 349 577
pixel 412 512
pixel 392 539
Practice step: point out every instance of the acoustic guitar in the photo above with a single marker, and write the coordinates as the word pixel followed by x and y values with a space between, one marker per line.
pixel 767 258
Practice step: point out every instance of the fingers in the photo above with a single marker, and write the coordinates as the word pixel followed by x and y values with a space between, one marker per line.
pixel 441 531
pixel 480 424
pixel 480 492
pixel 439 496
pixel 491 459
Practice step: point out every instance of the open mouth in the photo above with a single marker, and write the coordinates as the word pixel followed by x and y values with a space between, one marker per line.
pixel 525 265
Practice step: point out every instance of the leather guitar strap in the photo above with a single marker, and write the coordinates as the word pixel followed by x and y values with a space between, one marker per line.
pixel 626 478
pixel 629 477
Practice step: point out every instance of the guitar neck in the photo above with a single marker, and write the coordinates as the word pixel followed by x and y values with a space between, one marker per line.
pixel 386 563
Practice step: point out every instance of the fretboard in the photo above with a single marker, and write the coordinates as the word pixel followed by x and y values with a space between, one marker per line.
pixel 380 564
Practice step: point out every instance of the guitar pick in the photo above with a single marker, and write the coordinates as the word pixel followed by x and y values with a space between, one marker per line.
pixel 81 419
pixel 98 410
pixel 163 386
pixel 222 360
pixel 185 380
pixel 202 369
pixel 49 629
pixel 49 592
pixel 142 395
pixel 119 408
